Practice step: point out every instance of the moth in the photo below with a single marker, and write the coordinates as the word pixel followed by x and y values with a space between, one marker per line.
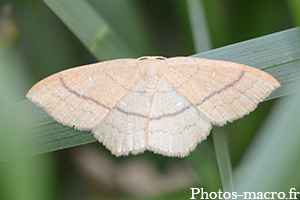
pixel 153 103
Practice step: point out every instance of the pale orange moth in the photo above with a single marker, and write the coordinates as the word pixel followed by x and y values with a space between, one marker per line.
pixel 163 105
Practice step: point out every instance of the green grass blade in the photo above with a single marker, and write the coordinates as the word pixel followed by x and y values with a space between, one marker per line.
pixel 278 54
pixel 90 28
pixel 199 27
pixel 223 158
pixel 126 19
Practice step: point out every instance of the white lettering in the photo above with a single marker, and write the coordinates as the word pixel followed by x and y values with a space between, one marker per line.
pixel 265 195
pixel 273 194
pixel 259 195
pixel 283 195
pixel 250 196
pixel 294 193
pixel 202 193
pixel 227 195
pixel 215 195
pixel 193 192
pixel 234 195
pixel 220 194
pixel 246 195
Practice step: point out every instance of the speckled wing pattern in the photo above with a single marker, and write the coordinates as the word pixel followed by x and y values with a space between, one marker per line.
pixel 163 105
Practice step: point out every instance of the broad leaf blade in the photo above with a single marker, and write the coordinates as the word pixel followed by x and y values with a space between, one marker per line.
pixel 90 28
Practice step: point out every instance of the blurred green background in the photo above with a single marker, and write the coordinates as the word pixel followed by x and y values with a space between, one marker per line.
pixel 37 42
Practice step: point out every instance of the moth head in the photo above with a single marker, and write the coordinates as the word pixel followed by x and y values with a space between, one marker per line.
pixel 151 58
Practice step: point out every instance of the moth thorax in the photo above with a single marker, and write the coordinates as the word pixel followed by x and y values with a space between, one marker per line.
pixel 151 76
